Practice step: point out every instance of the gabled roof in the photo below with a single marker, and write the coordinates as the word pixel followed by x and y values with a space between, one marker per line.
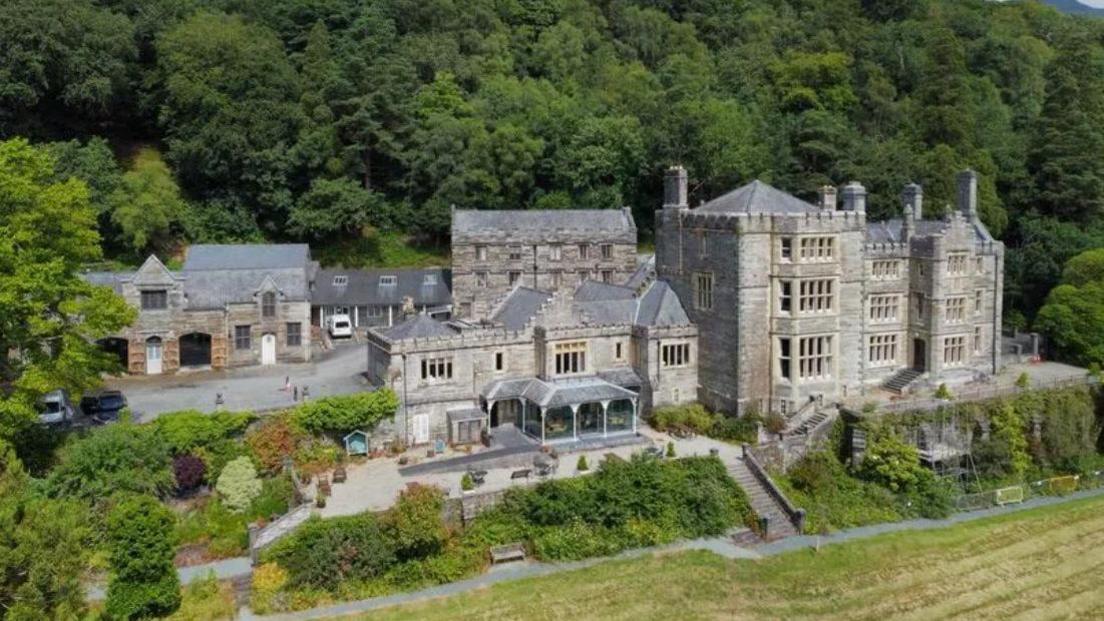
pixel 211 289
pixel 757 197
pixel 419 326
pixel 556 393
pixel 644 272
pixel 246 256
pixel 362 287
pixel 593 290
pixel 660 306
pixel 519 307
pixel 467 222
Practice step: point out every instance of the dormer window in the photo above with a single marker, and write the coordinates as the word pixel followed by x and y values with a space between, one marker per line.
pixel 340 280
pixel 155 300
pixel 429 279
pixel 388 281
pixel 268 305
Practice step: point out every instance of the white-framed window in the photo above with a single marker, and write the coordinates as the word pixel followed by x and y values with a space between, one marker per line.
pixel 480 253
pixel 340 280
pixel 388 281
pixel 675 355
pixel 429 279
pixel 703 245
pixel 882 350
pixel 785 248
pixel 607 251
pixel 500 361
pixel 703 290
pixel 956 264
pixel 785 296
pixel 956 309
pixel 977 339
pixel 885 269
pixel 784 357
pixel 437 368
pixel 374 310
pixel 814 357
pixel 584 251
pixel 514 277
pixel 481 279
pixel 815 296
pixel 515 253
pixel 555 252
pixel 954 351
pixel 571 358
pixel 268 305
pixel 884 308
pixel 817 249
pixel 979 295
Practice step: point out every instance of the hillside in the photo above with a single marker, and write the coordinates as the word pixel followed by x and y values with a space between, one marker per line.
pixel 336 121
pixel 1074 7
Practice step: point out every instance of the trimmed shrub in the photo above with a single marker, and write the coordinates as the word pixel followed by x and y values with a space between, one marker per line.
pixel 670 449
pixel 466 483
pixel 143 582
pixel 238 484
pixel 942 392
pixel 774 422
pixel 692 416
pixel 189 471
pixel 325 553
pixel 582 465
pixel 736 428
pixel 342 414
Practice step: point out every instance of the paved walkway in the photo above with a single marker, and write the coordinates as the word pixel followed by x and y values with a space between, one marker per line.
pixel 225 569
pixel 719 545
pixel 256 388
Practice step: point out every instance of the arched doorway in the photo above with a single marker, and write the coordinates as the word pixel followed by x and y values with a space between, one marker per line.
pixel 195 350
pixel 154 353
pixel 118 348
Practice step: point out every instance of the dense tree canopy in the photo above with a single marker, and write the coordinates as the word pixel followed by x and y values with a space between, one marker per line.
pixel 325 119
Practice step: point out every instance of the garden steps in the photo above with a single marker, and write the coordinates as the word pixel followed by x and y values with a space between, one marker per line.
pixel 901 380
pixel 761 501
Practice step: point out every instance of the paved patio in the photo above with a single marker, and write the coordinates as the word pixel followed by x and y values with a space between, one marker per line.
pixel 338 371
pixel 374 485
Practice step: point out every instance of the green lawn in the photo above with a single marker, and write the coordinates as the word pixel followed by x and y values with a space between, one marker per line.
pixel 385 250
pixel 1038 564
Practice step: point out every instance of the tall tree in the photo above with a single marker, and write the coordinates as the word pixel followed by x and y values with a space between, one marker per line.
pixel 49 317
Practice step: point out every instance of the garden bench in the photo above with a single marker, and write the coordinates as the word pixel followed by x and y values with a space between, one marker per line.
pixel 339 475
pixel 507 553
pixel 520 474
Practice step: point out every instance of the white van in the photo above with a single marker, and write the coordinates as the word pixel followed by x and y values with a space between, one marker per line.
pixel 340 326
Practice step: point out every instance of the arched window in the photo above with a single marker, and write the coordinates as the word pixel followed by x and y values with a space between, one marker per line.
pixel 268 305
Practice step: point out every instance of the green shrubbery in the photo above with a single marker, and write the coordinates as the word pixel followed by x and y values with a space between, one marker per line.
pixel 116 458
pixel 143 579
pixel 225 532
pixel 188 430
pixel 345 413
pixel 694 417
pixel 238 484
pixel 622 505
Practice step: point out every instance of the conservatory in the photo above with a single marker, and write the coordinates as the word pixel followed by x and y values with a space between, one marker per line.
pixel 562 410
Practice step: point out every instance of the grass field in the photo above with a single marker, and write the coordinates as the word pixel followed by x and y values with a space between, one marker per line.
pixel 1040 564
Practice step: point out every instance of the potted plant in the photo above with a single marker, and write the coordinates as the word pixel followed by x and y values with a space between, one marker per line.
pixel 466 483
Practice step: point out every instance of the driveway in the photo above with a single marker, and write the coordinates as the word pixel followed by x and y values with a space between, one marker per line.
pixel 339 371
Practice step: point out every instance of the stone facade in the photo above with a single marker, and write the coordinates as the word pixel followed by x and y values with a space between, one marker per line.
pixel 494 251
pixel 214 318
pixel 806 302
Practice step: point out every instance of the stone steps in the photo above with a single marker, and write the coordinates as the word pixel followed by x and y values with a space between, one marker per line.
pixel 762 502
pixel 901 380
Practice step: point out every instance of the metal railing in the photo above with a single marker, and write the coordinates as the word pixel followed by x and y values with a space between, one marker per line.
pixel 1054 486
pixel 983 393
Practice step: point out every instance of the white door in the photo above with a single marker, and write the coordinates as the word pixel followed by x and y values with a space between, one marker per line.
pixel 421 428
pixel 268 349
pixel 153 356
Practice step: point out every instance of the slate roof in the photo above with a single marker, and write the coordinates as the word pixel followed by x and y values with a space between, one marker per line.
pixel 591 290
pixel 644 272
pixel 889 231
pixel 624 377
pixel 519 307
pixel 419 326
pixel 363 287
pixel 606 305
pixel 212 289
pixel 108 279
pixel 246 256
pixel 556 393
pixel 660 306
pixel 466 221
pixel 758 197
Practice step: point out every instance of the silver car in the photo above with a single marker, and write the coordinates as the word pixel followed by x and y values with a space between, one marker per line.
pixel 56 409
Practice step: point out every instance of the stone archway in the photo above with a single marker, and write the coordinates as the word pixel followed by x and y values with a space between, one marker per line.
pixel 195 350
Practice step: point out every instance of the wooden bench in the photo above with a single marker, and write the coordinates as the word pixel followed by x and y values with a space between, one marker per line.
pixel 520 474
pixel 507 553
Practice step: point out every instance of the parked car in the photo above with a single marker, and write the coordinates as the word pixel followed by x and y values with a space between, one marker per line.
pixel 56 409
pixel 103 406
pixel 340 326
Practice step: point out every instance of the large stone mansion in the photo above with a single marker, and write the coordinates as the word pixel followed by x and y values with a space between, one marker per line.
pixel 756 299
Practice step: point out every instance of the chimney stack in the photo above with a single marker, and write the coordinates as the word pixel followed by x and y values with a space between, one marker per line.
pixel 828 197
pixel 967 193
pixel 854 197
pixel 912 198
pixel 675 189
